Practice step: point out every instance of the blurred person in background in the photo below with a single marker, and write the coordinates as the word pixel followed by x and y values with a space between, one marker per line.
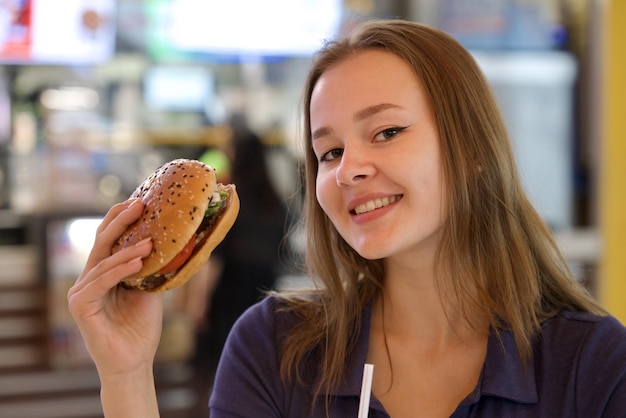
pixel 248 262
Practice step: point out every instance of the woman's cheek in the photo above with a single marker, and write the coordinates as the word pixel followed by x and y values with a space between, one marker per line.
pixel 324 187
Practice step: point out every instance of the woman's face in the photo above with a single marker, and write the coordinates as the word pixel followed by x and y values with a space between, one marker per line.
pixel 379 177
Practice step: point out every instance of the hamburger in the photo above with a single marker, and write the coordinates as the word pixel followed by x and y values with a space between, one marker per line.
pixel 187 214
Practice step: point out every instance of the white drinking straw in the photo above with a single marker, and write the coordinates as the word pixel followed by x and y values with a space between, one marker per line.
pixel 366 390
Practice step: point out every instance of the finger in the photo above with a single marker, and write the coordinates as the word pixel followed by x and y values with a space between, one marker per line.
pixel 138 251
pixel 116 221
pixel 113 212
pixel 87 297
pixel 119 218
pixel 90 291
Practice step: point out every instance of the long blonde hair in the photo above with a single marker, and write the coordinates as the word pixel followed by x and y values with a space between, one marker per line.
pixel 500 256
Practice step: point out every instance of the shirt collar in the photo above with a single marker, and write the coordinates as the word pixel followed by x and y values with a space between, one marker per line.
pixel 504 374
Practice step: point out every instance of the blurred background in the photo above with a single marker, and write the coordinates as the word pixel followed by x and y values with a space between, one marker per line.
pixel 96 94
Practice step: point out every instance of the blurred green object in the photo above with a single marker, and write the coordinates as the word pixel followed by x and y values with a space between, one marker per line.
pixel 217 159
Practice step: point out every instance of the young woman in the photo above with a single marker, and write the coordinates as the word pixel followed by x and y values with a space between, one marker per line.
pixel 432 265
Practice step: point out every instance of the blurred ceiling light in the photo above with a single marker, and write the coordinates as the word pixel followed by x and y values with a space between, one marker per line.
pixel 110 185
pixel 71 98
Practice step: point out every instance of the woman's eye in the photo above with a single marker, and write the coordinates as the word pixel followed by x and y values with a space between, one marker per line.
pixel 388 133
pixel 331 155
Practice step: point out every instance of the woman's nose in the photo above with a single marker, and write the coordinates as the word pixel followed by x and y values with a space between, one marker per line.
pixel 355 166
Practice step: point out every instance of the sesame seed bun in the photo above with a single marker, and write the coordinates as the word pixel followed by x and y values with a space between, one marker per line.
pixel 176 197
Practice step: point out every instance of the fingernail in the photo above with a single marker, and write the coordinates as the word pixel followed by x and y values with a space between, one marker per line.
pixel 135 262
pixel 143 242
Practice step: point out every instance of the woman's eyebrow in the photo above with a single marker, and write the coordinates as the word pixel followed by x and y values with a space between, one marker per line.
pixel 358 116
pixel 372 110
pixel 320 132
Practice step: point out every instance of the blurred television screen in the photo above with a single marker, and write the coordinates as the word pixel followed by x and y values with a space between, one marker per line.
pixel 178 88
pixel 53 32
pixel 217 30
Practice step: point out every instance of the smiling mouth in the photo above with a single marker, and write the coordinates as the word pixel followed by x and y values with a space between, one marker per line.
pixel 375 204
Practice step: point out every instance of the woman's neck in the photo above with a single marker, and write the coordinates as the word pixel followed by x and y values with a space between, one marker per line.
pixel 413 306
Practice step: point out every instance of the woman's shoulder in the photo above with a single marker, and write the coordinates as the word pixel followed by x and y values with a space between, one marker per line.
pixel 250 365
pixel 597 343
pixel 271 316
pixel 588 324
pixel 588 353
pixel 583 328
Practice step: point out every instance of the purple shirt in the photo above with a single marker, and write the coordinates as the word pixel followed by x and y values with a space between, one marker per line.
pixel 578 370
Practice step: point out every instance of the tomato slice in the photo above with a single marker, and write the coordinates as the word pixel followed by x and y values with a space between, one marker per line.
pixel 182 256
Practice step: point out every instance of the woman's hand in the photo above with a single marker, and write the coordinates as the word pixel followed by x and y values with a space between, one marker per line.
pixel 121 327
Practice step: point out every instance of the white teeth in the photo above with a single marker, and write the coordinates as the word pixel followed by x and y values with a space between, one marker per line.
pixel 374 204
